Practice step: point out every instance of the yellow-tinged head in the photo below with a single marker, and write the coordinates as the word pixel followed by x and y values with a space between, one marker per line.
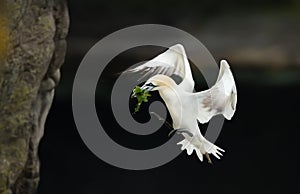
pixel 159 82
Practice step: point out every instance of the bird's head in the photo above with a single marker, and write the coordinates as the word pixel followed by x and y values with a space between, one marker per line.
pixel 158 82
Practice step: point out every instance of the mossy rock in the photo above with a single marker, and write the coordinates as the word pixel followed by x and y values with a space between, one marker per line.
pixel 30 57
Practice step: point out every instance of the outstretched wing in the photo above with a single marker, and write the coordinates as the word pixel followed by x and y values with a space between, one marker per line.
pixel 172 62
pixel 219 99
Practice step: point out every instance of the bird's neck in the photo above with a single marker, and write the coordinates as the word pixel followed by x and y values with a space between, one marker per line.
pixel 172 98
pixel 170 94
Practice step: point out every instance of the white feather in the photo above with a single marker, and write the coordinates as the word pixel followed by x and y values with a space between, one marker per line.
pixel 219 99
pixel 172 62
pixel 187 108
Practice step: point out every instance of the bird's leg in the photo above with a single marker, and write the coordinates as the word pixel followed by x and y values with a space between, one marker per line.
pixel 171 132
pixel 208 158
pixel 157 116
pixel 180 131
pixel 166 123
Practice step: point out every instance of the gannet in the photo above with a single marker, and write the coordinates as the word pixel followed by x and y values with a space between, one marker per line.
pixel 186 107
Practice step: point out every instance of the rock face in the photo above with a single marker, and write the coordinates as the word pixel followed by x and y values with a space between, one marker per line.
pixel 32 49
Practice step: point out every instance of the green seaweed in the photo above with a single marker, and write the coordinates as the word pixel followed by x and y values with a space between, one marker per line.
pixel 141 96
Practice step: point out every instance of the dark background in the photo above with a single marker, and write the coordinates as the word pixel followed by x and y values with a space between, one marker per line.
pixel 260 41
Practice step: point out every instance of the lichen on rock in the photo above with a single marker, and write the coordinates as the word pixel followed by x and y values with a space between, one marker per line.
pixel 32 49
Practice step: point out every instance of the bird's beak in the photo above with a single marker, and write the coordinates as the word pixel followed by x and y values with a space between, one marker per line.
pixel 147 88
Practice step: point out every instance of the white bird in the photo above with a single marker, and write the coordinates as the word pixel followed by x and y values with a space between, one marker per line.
pixel 185 107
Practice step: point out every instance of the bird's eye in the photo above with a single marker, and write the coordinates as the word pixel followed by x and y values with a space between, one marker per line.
pixel 150 84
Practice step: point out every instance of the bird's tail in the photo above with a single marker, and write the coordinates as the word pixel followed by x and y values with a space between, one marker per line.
pixel 201 147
